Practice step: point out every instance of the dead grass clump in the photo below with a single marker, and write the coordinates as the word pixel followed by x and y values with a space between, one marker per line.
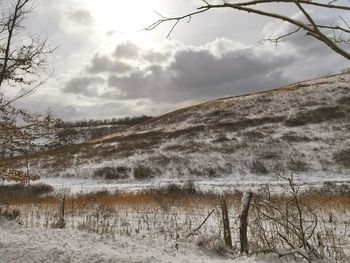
pixel 315 116
pixel 343 157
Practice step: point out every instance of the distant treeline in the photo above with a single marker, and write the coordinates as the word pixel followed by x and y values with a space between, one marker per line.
pixel 128 121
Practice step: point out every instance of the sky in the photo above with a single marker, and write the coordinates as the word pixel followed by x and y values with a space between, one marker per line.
pixel 106 65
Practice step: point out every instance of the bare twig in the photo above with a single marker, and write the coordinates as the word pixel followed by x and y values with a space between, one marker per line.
pixel 311 27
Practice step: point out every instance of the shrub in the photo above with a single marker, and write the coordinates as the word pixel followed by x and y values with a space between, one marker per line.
pixel 221 139
pixel 10 215
pixel 343 158
pixel 258 167
pixel 142 172
pixel 211 172
pixel 111 173
pixel 345 100
pixel 296 165
pixel 38 189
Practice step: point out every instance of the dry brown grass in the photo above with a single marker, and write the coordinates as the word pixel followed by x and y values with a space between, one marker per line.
pixel 171 196
pixel 20 194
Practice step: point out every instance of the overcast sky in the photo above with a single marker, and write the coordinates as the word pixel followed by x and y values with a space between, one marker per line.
pixel 106 66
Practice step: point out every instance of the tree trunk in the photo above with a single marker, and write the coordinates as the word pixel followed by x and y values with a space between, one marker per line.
pixel 61 222
pixel 246 199
pixel 226 223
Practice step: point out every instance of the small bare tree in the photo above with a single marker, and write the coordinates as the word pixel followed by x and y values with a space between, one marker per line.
pixel 286 225
pixel 336 34
pixel 23 62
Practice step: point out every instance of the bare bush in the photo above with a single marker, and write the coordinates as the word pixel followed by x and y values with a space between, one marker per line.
pixel 343 157
pixel 297 165
pixel 9 214
pixel 112 173
pixel 257 167
pixel 143 172
pixel 287 232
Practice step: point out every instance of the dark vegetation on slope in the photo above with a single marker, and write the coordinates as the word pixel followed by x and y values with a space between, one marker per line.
pixel 23 193
pixel 295 126
pixel 318 115
pixel 126 121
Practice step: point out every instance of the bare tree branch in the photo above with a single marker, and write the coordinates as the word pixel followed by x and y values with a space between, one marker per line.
pixel 311 27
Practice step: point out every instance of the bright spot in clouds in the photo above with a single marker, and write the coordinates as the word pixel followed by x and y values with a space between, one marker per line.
pixel 123 19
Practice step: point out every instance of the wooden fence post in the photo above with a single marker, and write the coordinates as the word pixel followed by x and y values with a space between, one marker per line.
pixel 226 223
pixel 243 224
pixel 61 222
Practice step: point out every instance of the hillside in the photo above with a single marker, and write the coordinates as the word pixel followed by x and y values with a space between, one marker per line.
pixel 303 128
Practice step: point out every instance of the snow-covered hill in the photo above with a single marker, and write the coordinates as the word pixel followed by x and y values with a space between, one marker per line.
pixel 303 128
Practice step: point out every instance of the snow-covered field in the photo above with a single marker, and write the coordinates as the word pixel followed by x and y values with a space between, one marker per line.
pixel 224 184
pixel 39 244
pixel 70 245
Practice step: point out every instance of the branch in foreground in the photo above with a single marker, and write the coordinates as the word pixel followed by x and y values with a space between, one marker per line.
pixel 310 27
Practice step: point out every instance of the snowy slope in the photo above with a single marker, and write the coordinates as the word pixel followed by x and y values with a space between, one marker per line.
pixel 303 128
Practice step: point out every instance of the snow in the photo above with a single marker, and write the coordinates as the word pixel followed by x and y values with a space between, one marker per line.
pixel 174 152
pixel 18 244
pixel 229 183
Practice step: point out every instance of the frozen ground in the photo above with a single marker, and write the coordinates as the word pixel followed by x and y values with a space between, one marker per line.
pixel 19 244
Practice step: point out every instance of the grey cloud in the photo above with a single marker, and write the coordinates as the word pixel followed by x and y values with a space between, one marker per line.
pixel 126 50
pixel 100 64
pixel 197 74
pixel 318 57
pixel 304 44
pixel 87 86
pixel 104 110
pixel 129 50
pixel 96 111
pixel 155 57
pixel 82 17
